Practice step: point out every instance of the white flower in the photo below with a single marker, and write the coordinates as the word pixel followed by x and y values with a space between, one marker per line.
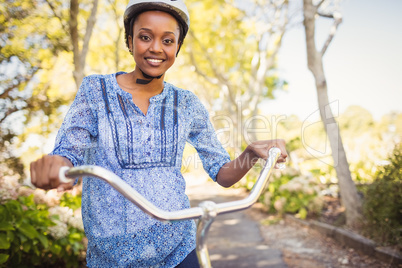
pixel 279 204
pixel 76 220
pixel 9 186
pixel 64 213
pixel 297 186
pixel 5 195
pixel 308 190
pixel 312 180
pixel 59 230
pixel 10 182
pixel 66 217
pixel 52 198
pixel 39 196
pixel 25 191
pixel 292 171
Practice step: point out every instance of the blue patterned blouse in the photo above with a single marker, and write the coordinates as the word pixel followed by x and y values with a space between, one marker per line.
pixel 104 127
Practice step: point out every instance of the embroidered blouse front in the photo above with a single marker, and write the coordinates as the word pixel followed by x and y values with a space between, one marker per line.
pixel 104 127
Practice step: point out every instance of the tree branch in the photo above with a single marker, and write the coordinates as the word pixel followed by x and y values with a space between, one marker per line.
pixel 266 57
pixel 309 11
pixel 88 32
pixel 218 74
pixel 201 73
pixel 320 3
pixel 337 20
pixel 73 25
pixel 20 79
pixel 8 113
pixel 50 4
pixel 325 15
pixel 7 91
pixel 221 78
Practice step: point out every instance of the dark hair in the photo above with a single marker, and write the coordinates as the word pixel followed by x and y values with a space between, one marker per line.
pixel 128 28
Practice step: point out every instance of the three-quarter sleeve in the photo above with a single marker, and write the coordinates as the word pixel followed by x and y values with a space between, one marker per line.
pixel 78 132
pixel 203 137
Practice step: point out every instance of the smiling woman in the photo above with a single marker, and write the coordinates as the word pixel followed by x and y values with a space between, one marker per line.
pixel 136 125
pixel 154 43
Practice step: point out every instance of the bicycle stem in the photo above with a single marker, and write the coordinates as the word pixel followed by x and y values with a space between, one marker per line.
pixel 211 210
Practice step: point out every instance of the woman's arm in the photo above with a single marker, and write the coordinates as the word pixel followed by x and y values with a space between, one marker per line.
pixel 233 171
pixel 74 139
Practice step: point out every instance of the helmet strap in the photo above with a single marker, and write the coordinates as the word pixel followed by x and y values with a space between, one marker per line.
pixel 147 76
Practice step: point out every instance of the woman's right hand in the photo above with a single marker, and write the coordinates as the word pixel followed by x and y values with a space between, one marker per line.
pixel 45 172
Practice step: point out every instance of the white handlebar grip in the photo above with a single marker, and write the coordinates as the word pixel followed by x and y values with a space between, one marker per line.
pixel 62 175
pixel 280 165
pixel 277 151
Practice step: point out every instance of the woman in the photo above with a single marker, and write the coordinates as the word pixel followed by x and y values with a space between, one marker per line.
pixel 136 125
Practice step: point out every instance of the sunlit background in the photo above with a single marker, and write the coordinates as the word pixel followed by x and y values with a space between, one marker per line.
pixel 246 60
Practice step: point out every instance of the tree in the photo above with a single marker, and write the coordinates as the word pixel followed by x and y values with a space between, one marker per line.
pixel 233 54
pixel 117 14
pixel 28 43
pixel 70 26
pixel 35 36
pixel 348 191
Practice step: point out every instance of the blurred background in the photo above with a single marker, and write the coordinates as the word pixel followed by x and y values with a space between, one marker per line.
pixel 247 62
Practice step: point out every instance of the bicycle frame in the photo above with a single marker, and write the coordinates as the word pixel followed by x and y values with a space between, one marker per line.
pixel 205 212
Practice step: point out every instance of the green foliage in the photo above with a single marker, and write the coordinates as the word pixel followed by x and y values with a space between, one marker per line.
pixel 290 192
pixel 71 201
pixel 356 120
pixel 294 194
pixel 383 202
pixel 26 240
pixel 229 61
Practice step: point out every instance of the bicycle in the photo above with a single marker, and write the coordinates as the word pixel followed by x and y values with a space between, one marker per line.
pixel 206 212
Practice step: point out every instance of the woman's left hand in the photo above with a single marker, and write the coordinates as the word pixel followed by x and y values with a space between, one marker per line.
pixel 232 172
pixel 261 148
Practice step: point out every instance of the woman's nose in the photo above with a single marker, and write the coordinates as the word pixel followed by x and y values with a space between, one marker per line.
pixel 156 46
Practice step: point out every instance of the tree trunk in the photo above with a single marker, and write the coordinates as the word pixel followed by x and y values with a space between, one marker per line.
pixel 80 55
pixel 347 188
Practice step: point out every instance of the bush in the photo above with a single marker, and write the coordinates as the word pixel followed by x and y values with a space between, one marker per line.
pixel 383 203
pixel 290 192
pixel 294 194
pixel 34 233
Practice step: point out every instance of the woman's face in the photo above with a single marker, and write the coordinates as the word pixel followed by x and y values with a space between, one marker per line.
pixel 155 42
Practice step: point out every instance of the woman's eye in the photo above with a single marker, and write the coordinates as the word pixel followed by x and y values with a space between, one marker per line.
pixel 168 41
pixel 145 38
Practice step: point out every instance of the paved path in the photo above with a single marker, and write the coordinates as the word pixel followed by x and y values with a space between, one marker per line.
pixel 239 240
pixel 234 239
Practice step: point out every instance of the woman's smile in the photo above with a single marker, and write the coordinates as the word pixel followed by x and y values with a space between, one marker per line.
pixel 153 61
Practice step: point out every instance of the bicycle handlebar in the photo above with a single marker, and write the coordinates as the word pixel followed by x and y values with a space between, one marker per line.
pixel 186 214
pixel 205 212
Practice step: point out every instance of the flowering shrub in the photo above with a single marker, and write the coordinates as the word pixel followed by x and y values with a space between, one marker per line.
pixel 39 228
pixel 291 192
